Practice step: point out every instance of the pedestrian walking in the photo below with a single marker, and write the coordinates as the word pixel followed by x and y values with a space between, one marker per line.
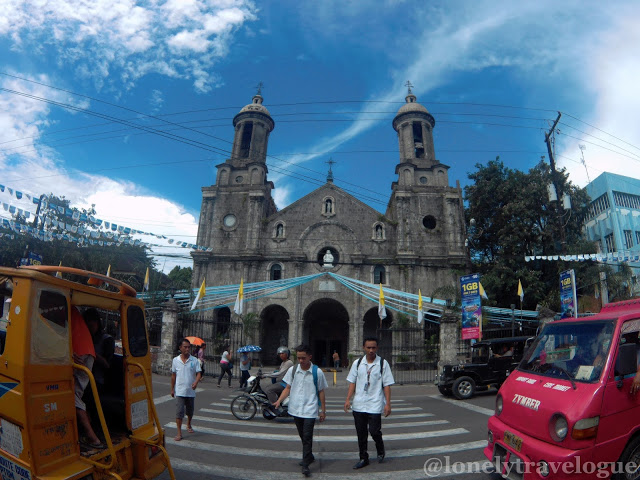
pixel 185 376
pixel 200 356
pixel 336 359
pixel 225 366
pixel 305 384
pixel 245 366
pixel 370 379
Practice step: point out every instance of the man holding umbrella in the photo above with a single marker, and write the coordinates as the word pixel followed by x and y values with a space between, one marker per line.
pixel 245 362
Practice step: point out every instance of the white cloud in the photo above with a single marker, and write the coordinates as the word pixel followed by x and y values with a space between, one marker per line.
pixel 566 46
pixel 282 196
pixel 33 169
pixel 98 38
pixel 610 76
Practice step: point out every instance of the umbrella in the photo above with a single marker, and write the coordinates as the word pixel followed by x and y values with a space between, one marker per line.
pixel 249 348
pixel 195 340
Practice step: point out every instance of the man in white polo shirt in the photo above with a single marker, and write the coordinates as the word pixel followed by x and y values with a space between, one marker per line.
pixel 185 376
pixel 306 384
pixel 370 379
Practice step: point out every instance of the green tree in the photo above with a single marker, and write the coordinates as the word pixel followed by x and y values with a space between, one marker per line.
pixel 181 277
pixel 131 259
pixel 513 218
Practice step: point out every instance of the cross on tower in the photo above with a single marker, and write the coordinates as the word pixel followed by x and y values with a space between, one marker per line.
pixel 259 87
pixel 409 86
pixel 330 174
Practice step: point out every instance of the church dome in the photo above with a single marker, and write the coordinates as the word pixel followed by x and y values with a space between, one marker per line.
pixel 412 106
pixel 256 106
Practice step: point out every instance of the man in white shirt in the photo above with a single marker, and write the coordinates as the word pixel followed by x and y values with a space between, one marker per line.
pixel 185 376
pixel 306 384
pixel 370 379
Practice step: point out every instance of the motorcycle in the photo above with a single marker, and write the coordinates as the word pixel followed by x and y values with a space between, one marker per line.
pixel 246 405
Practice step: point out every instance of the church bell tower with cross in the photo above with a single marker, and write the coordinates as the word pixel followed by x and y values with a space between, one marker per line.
pixel 429 212
pixel 232 209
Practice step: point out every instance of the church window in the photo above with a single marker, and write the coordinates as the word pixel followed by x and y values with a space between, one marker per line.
pixel 378 232
pixel 245 143
pixel 429 222
pixel 279 230
pixel 328 206
pixel 408 177
pixel 221 327
pixel 239 179
pixel 229 220
pixel 423 180
pixel 323 251
pixel 417 139
pixel 379 275
pixel 275 272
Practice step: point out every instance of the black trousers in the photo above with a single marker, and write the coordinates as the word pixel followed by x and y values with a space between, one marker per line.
pixel 305 430
pixel 224 368
pixel 372 421
pixel 243 379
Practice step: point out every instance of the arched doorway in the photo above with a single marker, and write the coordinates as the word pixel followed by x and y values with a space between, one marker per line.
pixel 326 328
pixel 274 332
pixel 372 328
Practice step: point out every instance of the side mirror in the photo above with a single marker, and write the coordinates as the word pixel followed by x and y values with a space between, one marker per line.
pixel 626 363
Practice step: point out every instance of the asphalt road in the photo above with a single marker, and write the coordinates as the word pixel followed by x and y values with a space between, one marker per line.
pixel 424 428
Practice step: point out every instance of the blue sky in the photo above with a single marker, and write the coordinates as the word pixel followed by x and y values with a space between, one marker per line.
pixel 492 73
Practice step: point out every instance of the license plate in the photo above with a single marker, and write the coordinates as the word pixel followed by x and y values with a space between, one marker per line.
pixel 513 441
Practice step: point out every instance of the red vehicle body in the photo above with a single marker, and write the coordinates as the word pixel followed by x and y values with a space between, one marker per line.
pixel 567 411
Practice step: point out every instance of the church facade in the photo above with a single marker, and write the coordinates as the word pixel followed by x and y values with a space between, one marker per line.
pixel 418 243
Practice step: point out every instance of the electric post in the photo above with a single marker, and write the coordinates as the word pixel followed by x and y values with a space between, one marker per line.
pixel 548 138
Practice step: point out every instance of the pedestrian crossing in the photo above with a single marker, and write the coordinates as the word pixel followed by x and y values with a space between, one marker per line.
pixel 224 447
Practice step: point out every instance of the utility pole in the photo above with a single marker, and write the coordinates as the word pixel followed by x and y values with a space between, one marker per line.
pixel 548 137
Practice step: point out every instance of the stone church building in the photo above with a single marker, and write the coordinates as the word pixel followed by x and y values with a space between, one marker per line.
pixel 418 243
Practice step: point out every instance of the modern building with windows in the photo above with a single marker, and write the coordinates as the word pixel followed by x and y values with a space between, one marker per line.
pixel 417 243
pixel 614 217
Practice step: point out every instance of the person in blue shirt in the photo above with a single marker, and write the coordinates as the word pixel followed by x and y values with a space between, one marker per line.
pixel 185 376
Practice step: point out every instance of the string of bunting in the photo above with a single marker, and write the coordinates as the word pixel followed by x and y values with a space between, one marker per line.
pixel 597 257
pixel 112 229
pixel 225 295
pixel 397 300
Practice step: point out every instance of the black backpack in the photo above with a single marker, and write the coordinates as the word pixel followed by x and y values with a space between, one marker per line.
pixel 360 361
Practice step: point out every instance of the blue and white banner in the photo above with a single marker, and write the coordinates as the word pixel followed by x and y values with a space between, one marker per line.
pixel 568 296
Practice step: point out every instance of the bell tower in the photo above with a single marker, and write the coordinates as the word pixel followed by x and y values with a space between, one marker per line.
pixel 429 213
pixel 233 209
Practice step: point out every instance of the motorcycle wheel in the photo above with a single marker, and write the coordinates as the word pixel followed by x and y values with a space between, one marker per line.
pixel 243 407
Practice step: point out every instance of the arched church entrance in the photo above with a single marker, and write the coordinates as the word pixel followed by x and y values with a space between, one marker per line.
pixel 326 328
pixel 274 333
pixel 372 328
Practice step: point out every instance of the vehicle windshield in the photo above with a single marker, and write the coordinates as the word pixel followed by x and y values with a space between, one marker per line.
pixel 479 353
pixel 577 350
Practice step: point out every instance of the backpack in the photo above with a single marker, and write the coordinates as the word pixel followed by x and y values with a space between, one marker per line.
pixel 360 361
pixel 314 372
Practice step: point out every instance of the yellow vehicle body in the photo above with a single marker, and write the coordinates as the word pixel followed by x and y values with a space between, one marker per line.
pixel 39 436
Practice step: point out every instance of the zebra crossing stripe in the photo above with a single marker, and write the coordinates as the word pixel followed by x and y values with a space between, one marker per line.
pixel 324 434
pixel 396 409
pixel 244 473
pixel 344 415
pixel 461 404
pixel 342 426
pixel 342 455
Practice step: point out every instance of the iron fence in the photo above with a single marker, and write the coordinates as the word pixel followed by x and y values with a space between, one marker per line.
pixel 412 352
pixel 219 335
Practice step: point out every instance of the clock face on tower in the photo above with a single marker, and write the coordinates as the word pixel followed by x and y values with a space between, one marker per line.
pixel 229 220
